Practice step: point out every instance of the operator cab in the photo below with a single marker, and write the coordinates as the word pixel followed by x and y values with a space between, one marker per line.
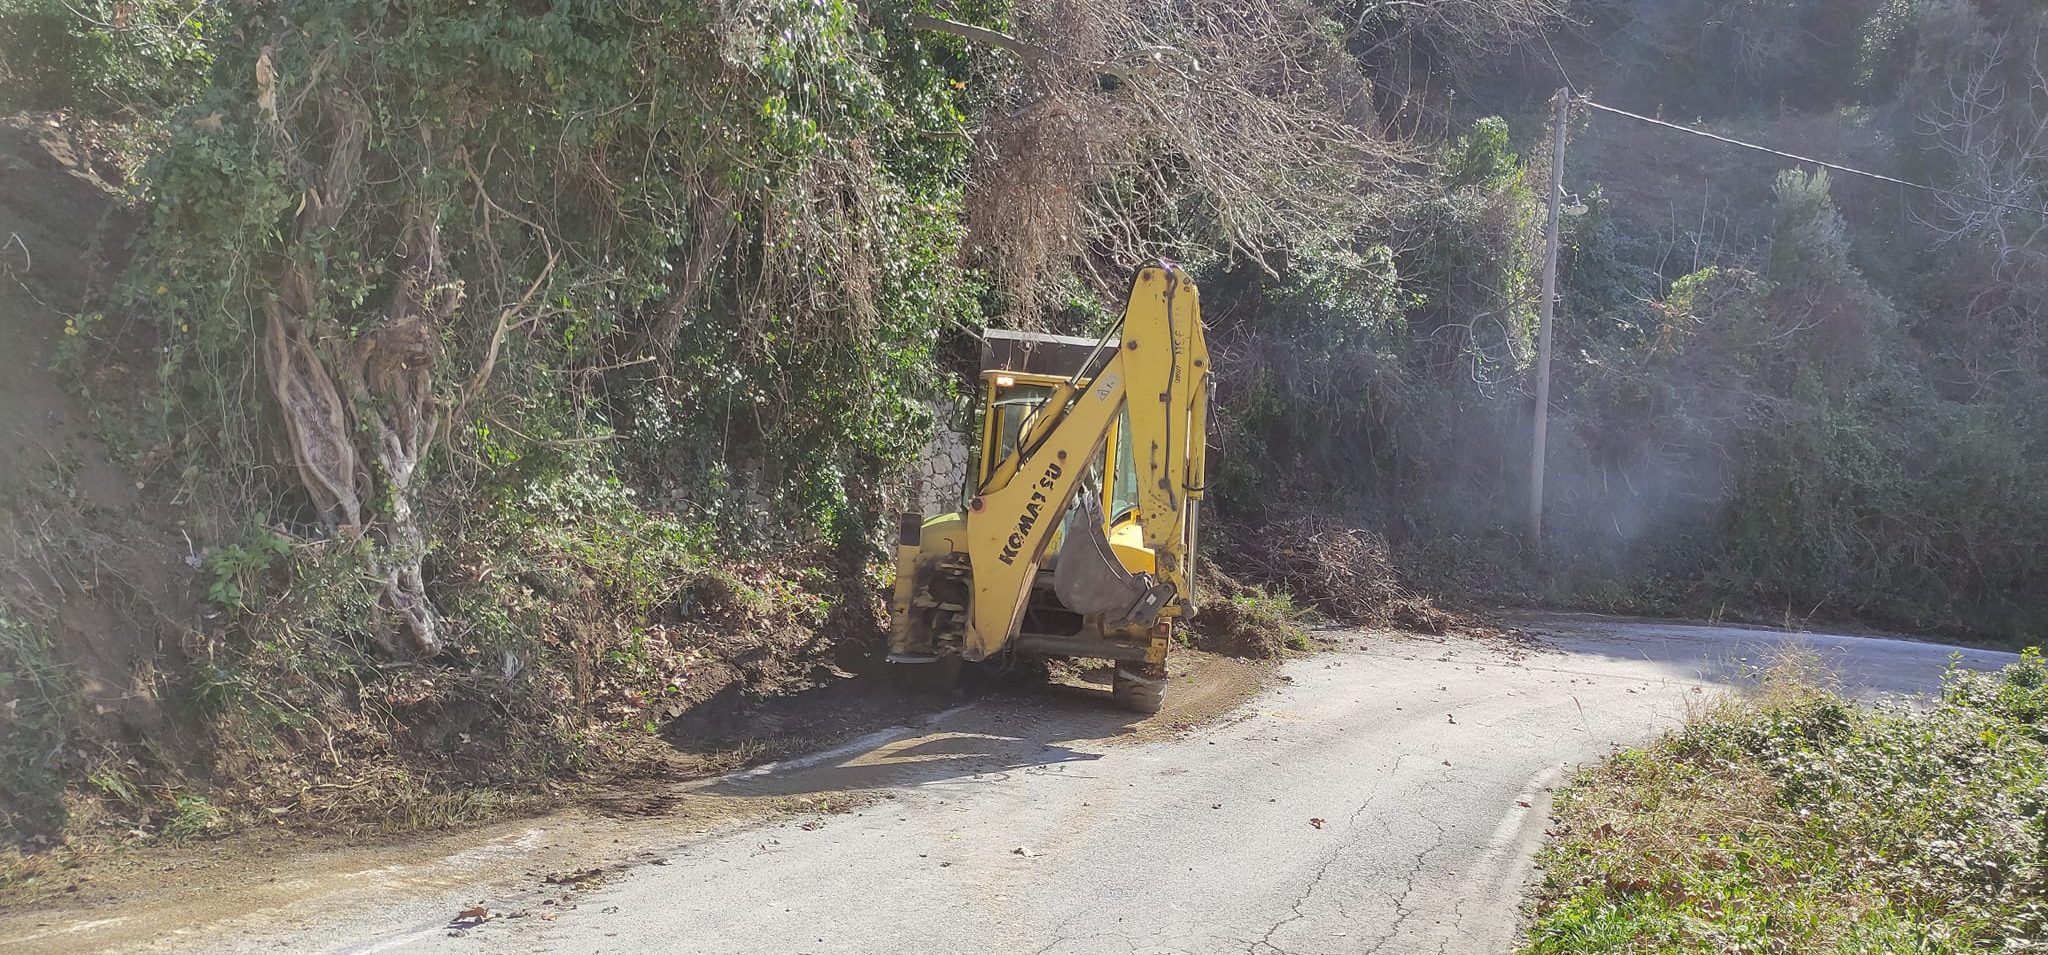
pixel 1019 373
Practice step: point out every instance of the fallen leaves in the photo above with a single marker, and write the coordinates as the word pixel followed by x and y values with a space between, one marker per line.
pixel 578 878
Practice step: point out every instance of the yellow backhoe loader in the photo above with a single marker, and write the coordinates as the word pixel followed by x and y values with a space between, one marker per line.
pixel 1078 534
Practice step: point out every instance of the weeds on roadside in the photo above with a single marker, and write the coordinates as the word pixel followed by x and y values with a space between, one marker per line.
pixel 1794 820
pixel 35 721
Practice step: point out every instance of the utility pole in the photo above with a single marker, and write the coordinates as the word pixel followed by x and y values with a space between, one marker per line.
pixel 1558 124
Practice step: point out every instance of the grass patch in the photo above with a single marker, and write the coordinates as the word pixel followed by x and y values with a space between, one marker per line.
pixel 447 810
pixel 1794 820
pixel 192 815
pixel 35 723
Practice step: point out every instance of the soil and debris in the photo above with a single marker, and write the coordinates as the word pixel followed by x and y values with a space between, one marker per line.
pixel 95 585
pixel 593 842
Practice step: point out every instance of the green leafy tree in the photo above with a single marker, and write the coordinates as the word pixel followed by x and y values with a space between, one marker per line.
pixel 429 233
pixel 106 57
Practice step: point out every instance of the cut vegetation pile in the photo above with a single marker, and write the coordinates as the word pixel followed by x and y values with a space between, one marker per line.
pixel 1341 572
pixel 1797 821
pixel 1294 572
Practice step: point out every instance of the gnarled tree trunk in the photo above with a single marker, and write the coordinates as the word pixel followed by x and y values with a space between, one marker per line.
pixel 377 389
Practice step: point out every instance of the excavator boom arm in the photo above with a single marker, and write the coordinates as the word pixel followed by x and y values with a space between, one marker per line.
pixel 1168 361
pixel 1160 369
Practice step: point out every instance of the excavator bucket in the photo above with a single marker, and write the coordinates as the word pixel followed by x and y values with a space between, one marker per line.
pixel 1088 579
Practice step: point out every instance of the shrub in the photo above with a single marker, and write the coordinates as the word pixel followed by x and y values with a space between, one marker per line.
pixel 1245 620
pixel 103 56
pixel 1797 821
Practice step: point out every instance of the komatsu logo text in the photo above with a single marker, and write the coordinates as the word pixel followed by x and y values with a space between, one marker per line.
pixel 1029 519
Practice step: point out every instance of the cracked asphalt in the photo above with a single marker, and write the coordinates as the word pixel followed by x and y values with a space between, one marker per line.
pixel 1385 796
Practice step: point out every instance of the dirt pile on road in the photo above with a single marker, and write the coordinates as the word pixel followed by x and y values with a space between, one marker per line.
pixel 1242 620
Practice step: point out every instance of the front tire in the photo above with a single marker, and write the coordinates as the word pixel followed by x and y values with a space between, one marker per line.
pixel 1139 687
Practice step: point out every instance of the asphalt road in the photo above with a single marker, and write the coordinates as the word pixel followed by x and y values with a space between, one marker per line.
pixel 1385 796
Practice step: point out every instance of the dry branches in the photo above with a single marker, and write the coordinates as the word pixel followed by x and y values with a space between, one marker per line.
pixel 1984 113
pixel 1125 130
pixel 1119 118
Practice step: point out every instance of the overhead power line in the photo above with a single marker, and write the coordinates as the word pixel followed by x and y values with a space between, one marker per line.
pixel 2035 210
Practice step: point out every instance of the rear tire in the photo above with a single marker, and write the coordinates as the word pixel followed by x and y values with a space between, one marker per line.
pixel 1139 687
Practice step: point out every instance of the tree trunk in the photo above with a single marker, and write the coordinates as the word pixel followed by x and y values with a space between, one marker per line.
pixel 385 390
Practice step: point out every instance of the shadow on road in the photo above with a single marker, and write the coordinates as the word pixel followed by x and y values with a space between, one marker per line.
pixel 1015 730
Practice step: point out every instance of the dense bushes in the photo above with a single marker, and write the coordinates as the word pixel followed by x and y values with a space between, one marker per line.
pixel 104 57
pixel 1821 399
pixel 721 236
pixel 1799 821
pixel 463 251
pixel 1806 459
pixel 521 375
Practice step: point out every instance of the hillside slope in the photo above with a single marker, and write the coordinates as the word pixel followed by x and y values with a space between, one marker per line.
pixel 95 571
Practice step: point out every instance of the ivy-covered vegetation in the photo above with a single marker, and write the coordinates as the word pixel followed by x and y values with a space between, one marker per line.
pixel 133 57
pixel 1800 821
pixel 512 340
pixel 523 375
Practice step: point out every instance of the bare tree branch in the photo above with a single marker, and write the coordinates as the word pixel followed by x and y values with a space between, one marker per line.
pixel 1030 53
pixel 1127 130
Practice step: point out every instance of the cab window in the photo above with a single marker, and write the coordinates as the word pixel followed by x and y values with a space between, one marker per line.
pixel 1123 493
pixel 1010 406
